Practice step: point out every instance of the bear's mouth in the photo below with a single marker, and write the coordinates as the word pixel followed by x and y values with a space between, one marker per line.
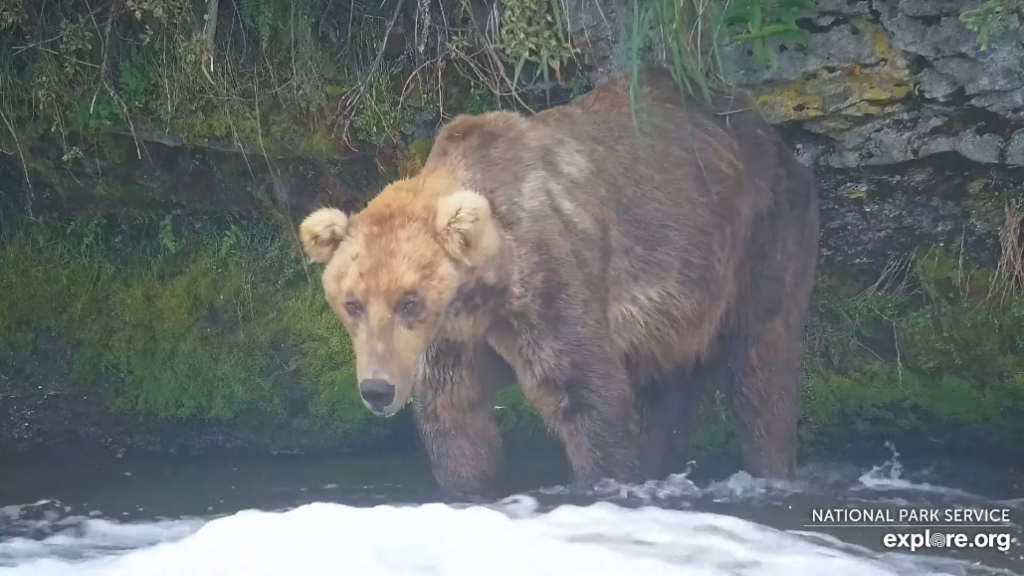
pixel 384 413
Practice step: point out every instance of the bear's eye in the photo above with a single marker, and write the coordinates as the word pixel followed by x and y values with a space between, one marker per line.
pixel 353 308
pixel 408 306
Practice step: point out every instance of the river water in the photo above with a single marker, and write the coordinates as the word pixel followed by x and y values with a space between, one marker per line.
pixel 291 516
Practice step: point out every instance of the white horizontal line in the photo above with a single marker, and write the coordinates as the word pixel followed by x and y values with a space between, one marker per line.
pixel 908 525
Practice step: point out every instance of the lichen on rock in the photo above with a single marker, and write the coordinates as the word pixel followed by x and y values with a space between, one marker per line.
pixel 883 80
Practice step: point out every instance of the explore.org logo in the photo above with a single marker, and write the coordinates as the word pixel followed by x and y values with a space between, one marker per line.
pixel 919 528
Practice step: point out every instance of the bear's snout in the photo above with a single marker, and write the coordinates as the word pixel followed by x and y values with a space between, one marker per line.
pixel 377 394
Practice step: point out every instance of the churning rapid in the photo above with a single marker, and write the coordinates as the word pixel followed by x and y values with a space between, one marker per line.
pixel 659 528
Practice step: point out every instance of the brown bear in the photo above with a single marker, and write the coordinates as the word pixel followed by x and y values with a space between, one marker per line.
pixel 614 265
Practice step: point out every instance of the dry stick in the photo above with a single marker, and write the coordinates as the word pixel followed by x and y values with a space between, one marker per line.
pixel 351 16
pixel 369 76
pixel 21 153
pixel 105 61
pixel 440 73
pixel 273 172
pixel 105 78
pixel 210 34
pixel 496 63
pixel 291 30
pixel 423 15
pixel 1011 265
pixel 405 86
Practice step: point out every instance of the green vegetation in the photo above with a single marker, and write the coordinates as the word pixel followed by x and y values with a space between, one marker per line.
pixel 935 350
pixel 532 30
pixel 989 18
pixel 930 353
pixel 270 76
pixel 765 20
pixel 691 34
pixel 275 76
pixel 192 318
pixel 197 318
pixel 179 318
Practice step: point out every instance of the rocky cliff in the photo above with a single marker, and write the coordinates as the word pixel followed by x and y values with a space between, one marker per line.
pixel 912 120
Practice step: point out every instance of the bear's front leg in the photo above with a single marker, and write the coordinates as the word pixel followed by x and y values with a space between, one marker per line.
pixel 588 402
pixel 454 406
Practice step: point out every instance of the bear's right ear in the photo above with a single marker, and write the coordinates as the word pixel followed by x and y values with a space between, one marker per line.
pixel 465 228
pixel 321 233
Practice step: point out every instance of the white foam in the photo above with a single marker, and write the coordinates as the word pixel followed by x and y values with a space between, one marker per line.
pixel 888 476
pixel 441 540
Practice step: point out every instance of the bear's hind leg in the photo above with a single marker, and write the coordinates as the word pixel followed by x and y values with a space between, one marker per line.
pixel 666 407
pixel 765 388
pixel 659 410
pixel 589 406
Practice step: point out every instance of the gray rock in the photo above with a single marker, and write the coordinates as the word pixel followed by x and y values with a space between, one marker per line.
pixel 872 214
pixel 1000 72
pixel 942 39
pixel 932 7
pixel 1009 104
pixel 602 31
pixel 953 50
pixel 983 148
pixel 839 47
pixel 891 140
pixel 938 145
pixel 845 7
pixel 1015 149
pixel 935 85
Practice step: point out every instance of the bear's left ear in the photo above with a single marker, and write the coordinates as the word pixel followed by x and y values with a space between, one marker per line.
pixel 321 233
pixel 465 228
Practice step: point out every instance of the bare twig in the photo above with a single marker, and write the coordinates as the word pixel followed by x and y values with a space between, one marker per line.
pixel 105 82
pixel 210 28
pixel 210 35
pixel 405 87
pixel 123 108
pixel 17 143
pixel 351 17
pixel 105 60
pixel 495 61
pixel 347 114
pixel 423 27
pixel 1011 257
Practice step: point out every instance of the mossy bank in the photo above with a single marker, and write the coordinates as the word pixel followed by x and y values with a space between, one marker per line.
pixel 156 155
pixel 185 333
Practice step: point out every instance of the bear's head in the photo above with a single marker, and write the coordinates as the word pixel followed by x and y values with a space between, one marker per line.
pixel 394 270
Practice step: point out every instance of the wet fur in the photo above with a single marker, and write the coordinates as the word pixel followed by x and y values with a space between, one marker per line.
pixel 624 278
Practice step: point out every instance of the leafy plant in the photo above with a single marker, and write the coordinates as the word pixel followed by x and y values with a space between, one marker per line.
pixel 533 30
pixel 765 20
pixel 989 18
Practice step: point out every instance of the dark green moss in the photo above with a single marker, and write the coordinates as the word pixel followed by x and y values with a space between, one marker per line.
pixel 196 319
pixel 935 351
pixel 185 320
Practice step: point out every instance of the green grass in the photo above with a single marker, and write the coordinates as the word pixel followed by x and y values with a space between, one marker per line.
pixel 935 351
pixel 185 319
pixel 196 319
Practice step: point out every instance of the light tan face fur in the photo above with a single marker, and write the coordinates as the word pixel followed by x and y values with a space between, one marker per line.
pixel 391 272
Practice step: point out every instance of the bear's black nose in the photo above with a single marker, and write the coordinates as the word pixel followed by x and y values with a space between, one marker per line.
pixel 377 393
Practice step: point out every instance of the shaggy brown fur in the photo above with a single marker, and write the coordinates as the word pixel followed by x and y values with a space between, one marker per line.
pixel 613 276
